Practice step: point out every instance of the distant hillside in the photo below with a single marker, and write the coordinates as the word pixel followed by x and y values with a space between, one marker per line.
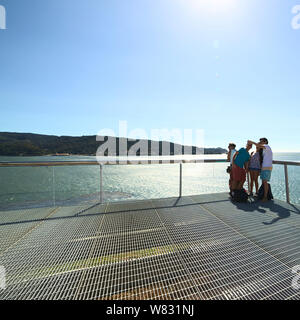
pixel 28 144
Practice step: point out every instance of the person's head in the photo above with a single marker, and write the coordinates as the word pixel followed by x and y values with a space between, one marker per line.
pixel 263 140
pixel 231 146
pixel 248 146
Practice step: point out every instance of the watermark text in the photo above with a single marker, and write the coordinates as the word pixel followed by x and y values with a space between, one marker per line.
pixel 137 146
pixel 2 17
pixel 296 19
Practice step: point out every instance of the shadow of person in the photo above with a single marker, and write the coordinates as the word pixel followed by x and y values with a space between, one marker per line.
pixel 263 207
pixel 249 206
pixel 282 212
pixel 296 210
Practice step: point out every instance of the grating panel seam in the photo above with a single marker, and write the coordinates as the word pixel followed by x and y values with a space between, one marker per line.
pixel 90 255
pixel 180 257
pixel 244 236
pixel 29 231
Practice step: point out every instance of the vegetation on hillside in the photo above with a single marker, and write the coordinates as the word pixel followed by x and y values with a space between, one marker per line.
pixel 28 144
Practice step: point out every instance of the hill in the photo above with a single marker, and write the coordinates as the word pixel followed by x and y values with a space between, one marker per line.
pixel 29 144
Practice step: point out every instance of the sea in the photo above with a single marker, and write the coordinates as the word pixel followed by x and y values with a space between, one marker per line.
pixel 30 187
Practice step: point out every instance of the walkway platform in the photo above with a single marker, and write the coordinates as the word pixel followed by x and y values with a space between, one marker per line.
pixel 197 247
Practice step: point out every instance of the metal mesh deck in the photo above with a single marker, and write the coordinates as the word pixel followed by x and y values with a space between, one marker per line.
pixel 198 247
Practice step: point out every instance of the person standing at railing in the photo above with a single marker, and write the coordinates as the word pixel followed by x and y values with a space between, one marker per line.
pixel 230 155
pixel 231 152
pixel 267 165
pixel 255 168
pixel 240 167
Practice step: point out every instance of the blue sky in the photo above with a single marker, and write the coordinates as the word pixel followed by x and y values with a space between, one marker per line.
pixel 229 67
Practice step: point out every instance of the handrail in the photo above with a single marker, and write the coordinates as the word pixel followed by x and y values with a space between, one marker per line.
pixel 136 161
pixel 288 163
pixel 143 161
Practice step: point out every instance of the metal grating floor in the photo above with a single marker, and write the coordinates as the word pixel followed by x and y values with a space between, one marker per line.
pixel 197 247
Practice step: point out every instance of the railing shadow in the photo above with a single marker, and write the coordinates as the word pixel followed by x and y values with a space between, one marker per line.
pixel 84 213
pixel 271 206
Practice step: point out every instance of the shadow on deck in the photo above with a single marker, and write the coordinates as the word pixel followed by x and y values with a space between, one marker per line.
pixel 197 247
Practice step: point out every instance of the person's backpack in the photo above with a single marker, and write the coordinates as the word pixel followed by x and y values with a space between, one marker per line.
pixel 240 195
pixel 261 193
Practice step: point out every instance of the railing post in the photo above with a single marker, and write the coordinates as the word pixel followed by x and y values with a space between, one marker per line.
pixel 180 180
pixel 53 187
pixel 287 189
pixel 101 183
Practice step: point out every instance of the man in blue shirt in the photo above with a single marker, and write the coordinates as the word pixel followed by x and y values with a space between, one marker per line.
pixel 240 166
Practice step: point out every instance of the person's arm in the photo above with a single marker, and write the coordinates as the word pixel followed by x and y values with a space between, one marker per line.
pixel 259 145
pixel 246 166
pixel 252 142
pixel 228 155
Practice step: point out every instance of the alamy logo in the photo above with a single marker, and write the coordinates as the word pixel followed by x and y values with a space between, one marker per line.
pixel 2 17
pixel 296 18
pixel 2 278
pixel 140 147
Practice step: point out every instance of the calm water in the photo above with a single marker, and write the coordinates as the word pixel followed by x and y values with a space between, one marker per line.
pixel 47 186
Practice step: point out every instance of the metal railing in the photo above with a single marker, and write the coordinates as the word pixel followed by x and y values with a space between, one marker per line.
pixel 286 176
pixel 136 161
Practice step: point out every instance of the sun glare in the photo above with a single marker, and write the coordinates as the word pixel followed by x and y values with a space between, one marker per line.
pixel 214 6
